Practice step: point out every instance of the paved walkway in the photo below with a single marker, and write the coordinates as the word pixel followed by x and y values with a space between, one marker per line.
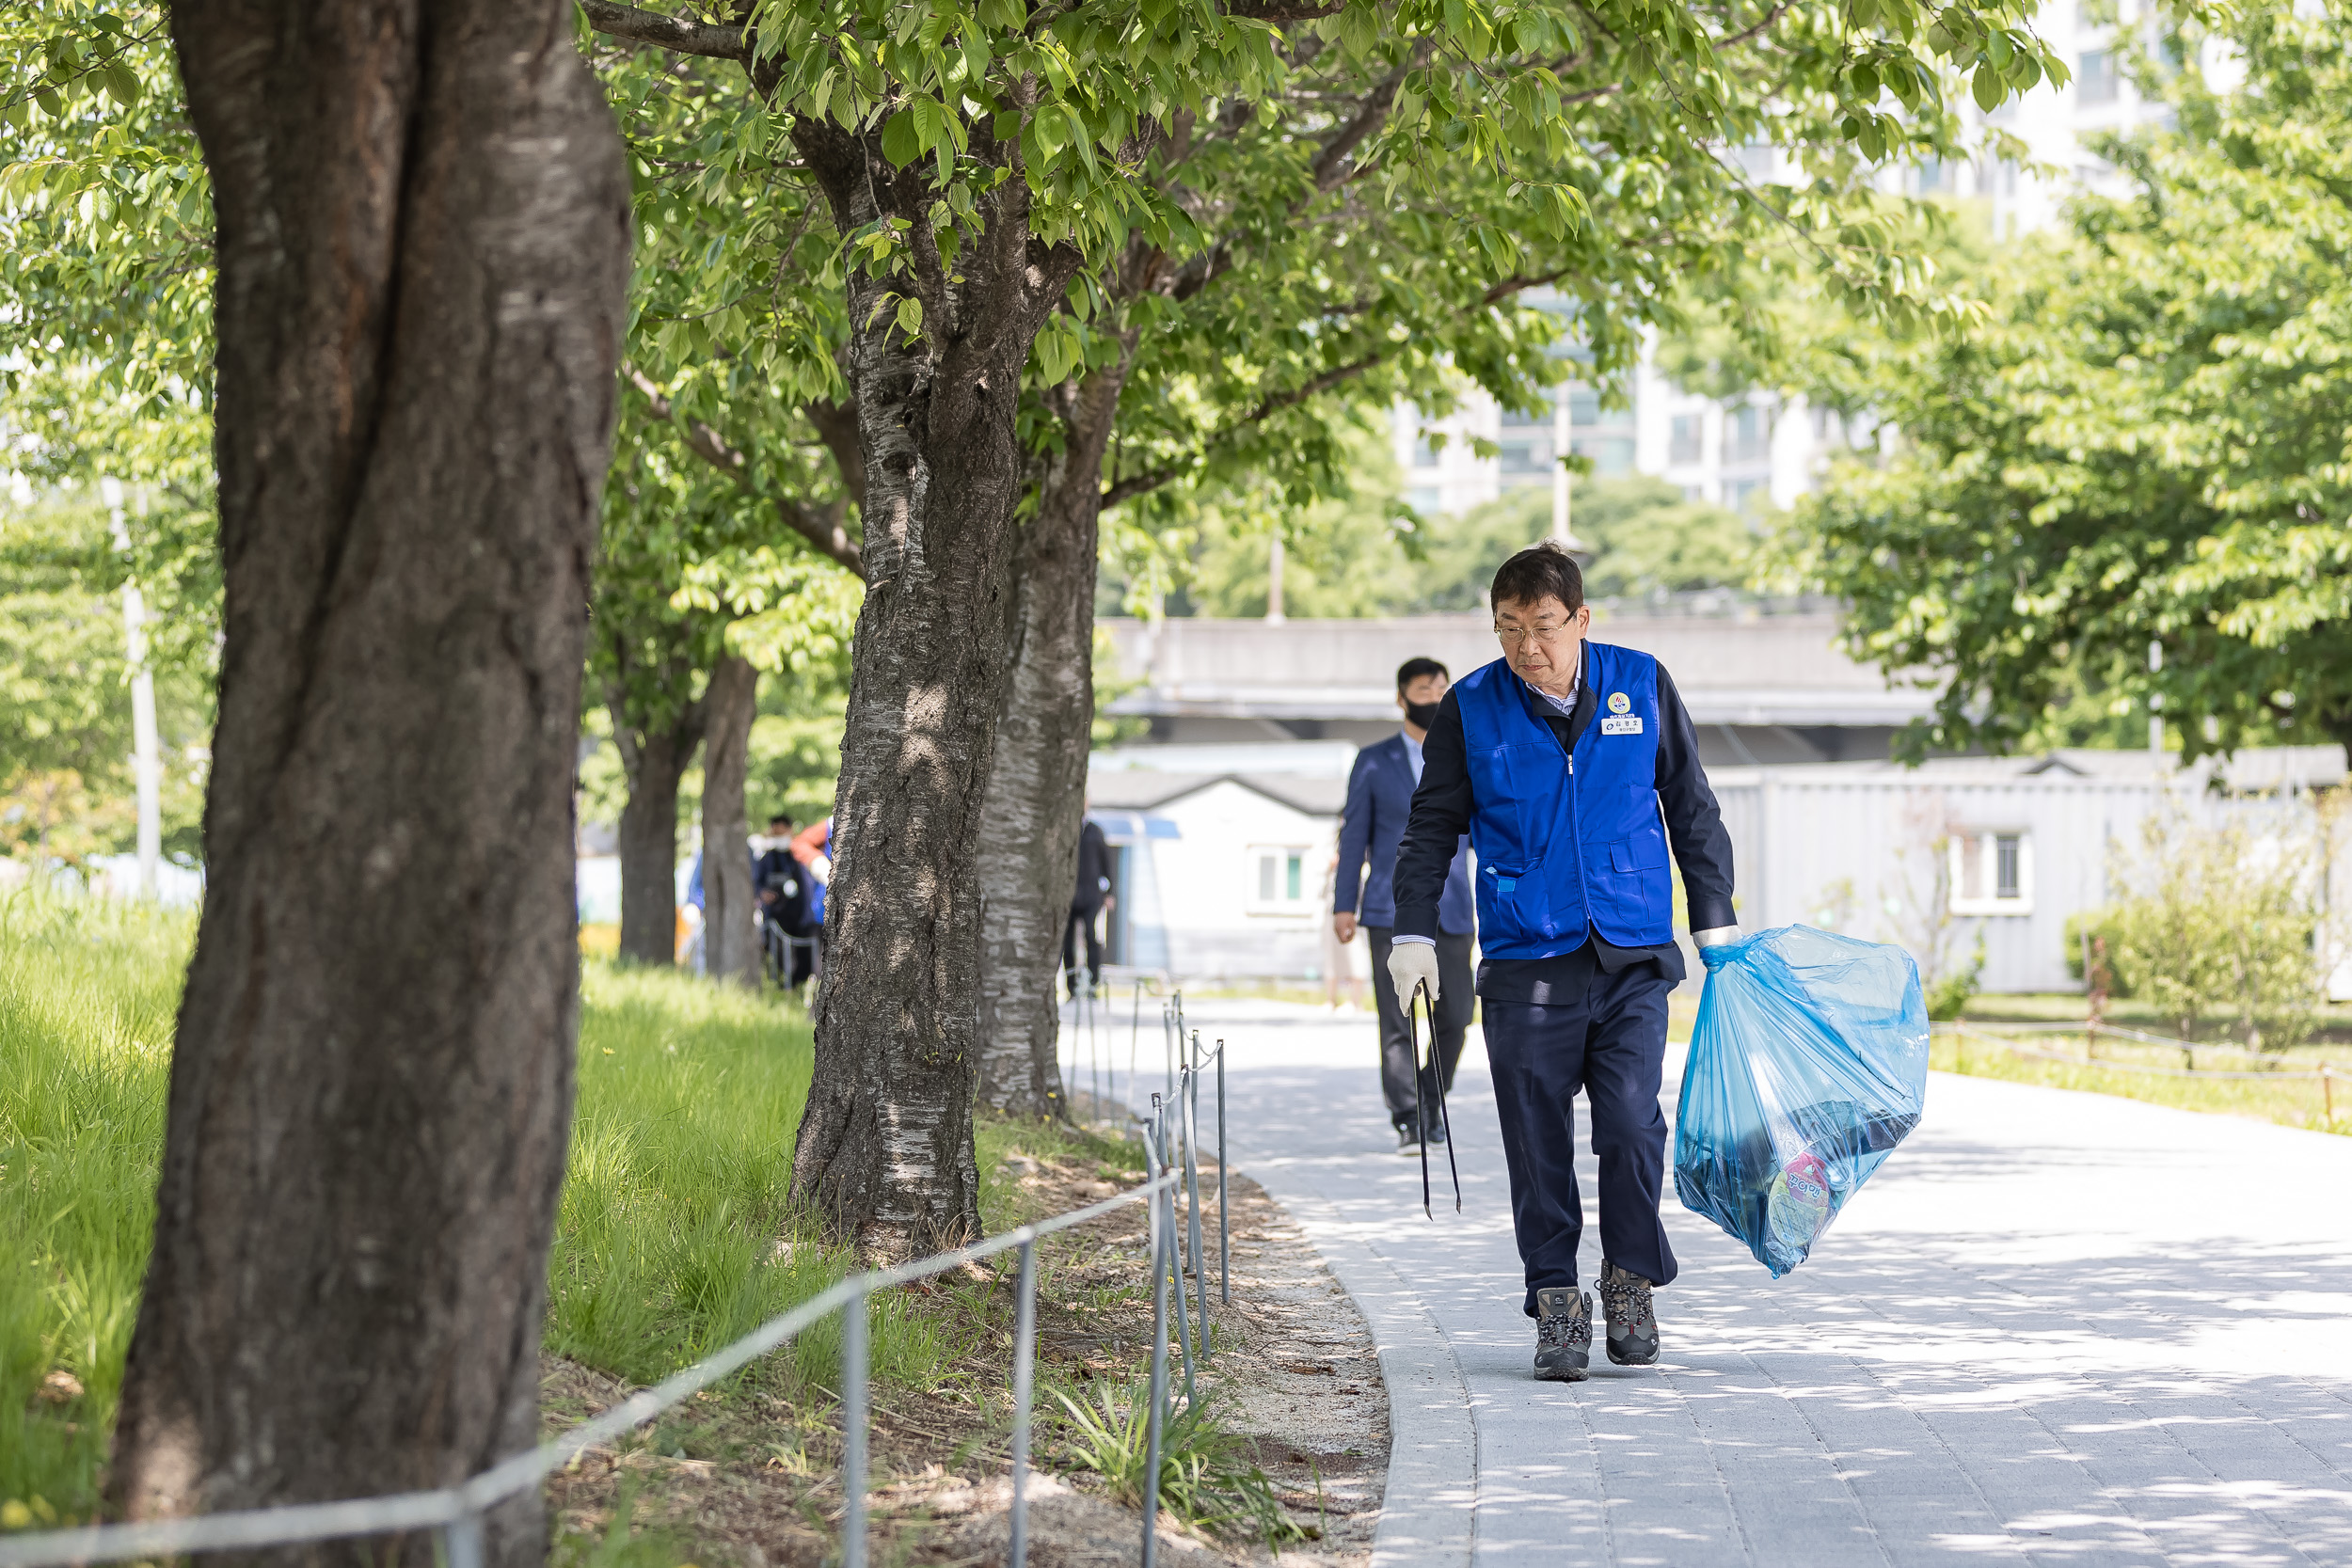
pixel 2055 1328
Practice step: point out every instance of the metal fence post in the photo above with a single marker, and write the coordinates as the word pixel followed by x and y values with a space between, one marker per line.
pixel 1159 1391
pixel 1224 1228
pixel 854 1432
pixel 1166 1199
pixel 461 1541
pixel 1189 1110
pixel 1023 1359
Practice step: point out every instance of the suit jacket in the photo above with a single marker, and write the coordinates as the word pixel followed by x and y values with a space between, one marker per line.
pixel 1379 803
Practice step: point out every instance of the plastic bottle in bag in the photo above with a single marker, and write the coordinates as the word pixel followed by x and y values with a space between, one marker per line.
pixel 1808 1065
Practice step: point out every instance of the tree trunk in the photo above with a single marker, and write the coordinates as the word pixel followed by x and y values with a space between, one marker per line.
pixel 424 257
pixel 885 1151
pixel 653 761
pixel 730 938
pixel 1037 787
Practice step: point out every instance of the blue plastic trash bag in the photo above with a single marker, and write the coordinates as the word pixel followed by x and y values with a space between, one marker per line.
pixel 1807 1066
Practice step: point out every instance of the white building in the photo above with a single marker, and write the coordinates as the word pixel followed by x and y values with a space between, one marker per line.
pixel 1218 874
pixel 1757 453
pixel 2002 849
pixel 1227 875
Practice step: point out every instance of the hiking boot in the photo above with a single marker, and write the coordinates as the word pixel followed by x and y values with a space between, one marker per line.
pixel 1436 1132
pixel 1563 1336
pixel 1632 1321
pixel 1408 1141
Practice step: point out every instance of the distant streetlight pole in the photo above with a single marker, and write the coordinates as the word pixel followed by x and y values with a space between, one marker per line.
pixel 147 760
pixel 1274 583
pixel 1562 443
pixel 2155 701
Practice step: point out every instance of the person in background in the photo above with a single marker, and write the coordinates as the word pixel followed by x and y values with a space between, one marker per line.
pixel 1087 904
pixel 780 885
pixel 812 848
pixel 1573 766
pixel 1379 801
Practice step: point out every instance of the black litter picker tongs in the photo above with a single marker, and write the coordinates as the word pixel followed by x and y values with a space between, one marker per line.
pixel 1434 1074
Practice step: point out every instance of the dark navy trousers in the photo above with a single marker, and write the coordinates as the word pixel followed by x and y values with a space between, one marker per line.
pixel 1612 1046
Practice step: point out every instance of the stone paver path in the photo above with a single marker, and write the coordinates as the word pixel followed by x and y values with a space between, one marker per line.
pixel 2056 1328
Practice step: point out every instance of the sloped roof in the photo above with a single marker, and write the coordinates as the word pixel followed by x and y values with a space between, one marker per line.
pixel 1137 789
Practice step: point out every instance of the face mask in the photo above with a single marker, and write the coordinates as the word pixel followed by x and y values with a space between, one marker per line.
pixel 1422 715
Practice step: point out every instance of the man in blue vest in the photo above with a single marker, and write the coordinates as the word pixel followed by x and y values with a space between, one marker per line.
pixel 1380 800
pixel 1571 765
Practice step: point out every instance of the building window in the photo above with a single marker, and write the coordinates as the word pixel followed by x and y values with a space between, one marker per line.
pixel 1748 497
pixel 1427 453
pixel 1748 436
pixel 1612 455
pixel 1930 175
pixel 1426 500
pixel 1690 439
pixel 2094 79
pixel 1584 407
pixel 1992 873
pixel 1277 878
pixel 1526 457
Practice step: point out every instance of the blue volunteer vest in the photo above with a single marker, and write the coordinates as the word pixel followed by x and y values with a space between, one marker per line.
pixel 1566 843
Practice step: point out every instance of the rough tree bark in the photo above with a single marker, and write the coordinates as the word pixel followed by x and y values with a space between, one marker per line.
pixel 884 1149
pixel 1036 797
pixel 730 939
pixel 652 761
pixel 424 256
pixel 1036 792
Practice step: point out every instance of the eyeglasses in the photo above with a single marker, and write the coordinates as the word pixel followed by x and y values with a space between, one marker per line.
pixel 1546 632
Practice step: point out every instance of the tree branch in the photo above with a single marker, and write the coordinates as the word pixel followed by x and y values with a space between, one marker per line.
pixel 1770 17
pixel 627 23
pixel 1128 489
pixel 822 530
pixel 1286 10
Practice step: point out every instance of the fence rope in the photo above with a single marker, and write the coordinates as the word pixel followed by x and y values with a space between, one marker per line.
pixel 458 1509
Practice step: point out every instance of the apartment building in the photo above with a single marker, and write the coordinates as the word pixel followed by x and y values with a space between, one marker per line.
pixel 1757 453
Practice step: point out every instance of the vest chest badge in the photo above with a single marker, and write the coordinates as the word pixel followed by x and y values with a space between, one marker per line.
pixel 1622 724
pixel 1619 703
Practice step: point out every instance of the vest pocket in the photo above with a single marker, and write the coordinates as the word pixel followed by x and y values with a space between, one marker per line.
pixel 1644 851
pixel 1514 905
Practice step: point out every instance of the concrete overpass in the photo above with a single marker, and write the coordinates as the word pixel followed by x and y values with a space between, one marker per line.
pixel 1763 687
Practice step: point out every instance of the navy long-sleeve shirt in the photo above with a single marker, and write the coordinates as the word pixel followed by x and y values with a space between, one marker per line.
pixel 1442 807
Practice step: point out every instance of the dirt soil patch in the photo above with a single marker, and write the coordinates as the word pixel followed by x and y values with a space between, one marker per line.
pixel 749 1475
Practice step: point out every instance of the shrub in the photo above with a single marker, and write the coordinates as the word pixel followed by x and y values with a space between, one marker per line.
pixel 2222 929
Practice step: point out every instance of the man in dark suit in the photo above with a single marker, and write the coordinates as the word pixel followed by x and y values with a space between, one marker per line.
pixel 1572 765
pixel 1093 895
pixel 1379 801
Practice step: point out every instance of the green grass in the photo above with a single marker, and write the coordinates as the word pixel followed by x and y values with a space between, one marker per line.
pixel 672 1240
pixel 2291 1101
pixel 87 993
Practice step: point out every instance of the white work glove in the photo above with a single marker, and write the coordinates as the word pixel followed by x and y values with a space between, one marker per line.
pixel 1715 936
pixel 1410 964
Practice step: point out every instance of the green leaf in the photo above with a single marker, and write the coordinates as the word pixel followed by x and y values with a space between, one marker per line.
pixel 121 84
pixel 1986 85
pixel 902 142
pixel 911 317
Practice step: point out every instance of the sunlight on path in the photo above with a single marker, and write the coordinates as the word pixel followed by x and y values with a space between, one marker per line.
pixel 2057 1328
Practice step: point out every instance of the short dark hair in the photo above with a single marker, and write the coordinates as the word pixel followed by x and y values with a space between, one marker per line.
pixel 1538 573
pixel 779 817
pixel 1414 668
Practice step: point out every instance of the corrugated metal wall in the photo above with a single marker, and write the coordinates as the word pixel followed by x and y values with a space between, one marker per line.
pixel 1851 852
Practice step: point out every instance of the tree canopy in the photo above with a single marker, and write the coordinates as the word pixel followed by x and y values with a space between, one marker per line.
pixel 2145 444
